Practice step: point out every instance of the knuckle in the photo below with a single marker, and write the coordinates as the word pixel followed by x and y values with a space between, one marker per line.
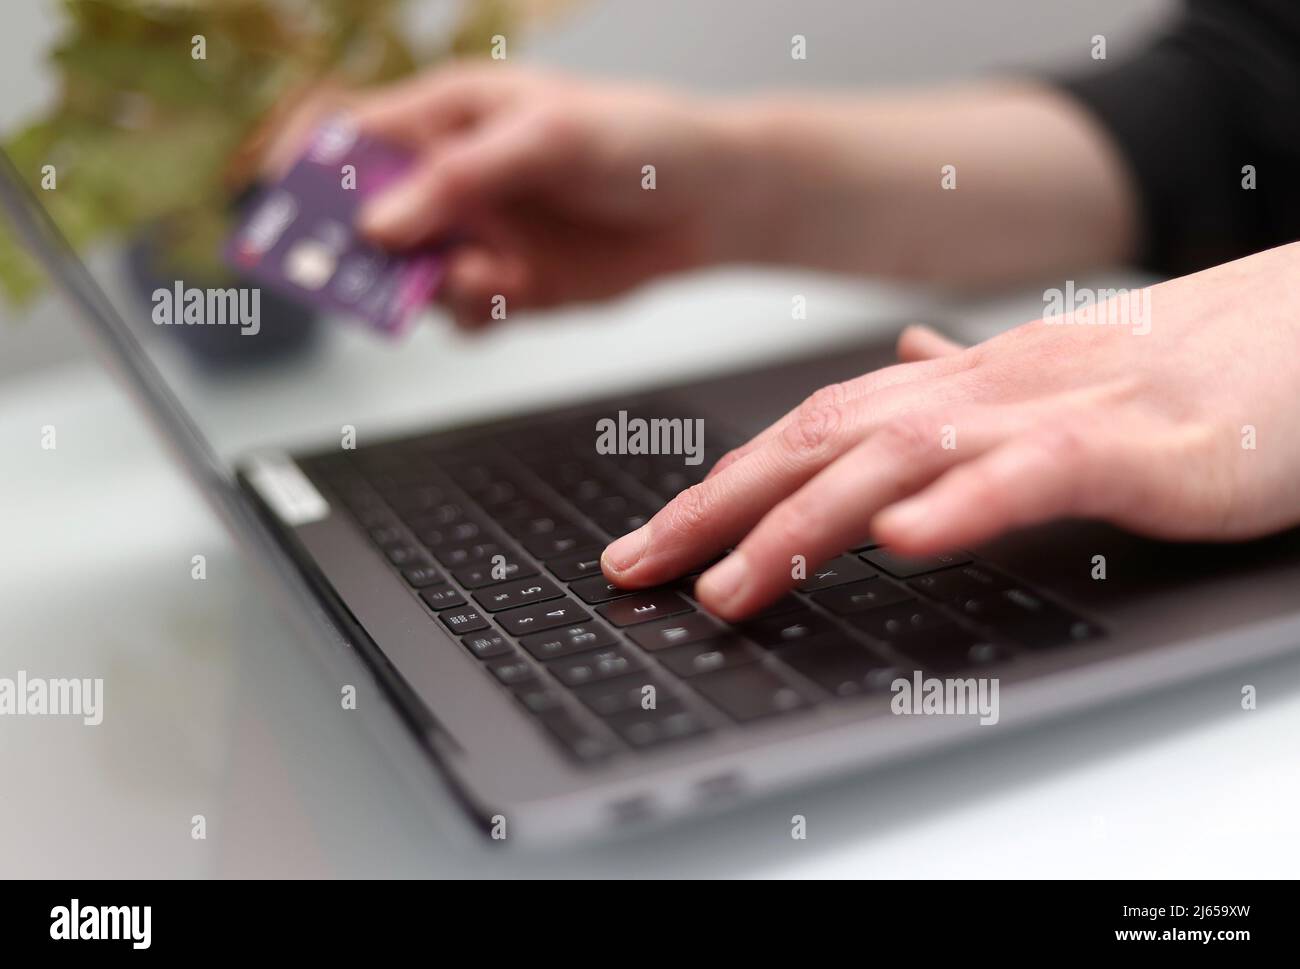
pixel 688 512
pixel 815 423
pixel 908 435
pixel 726 461
pixel 795 524
pixel 1063 446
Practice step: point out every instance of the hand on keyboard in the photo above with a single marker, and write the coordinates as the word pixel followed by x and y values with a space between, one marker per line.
pixel 1151 425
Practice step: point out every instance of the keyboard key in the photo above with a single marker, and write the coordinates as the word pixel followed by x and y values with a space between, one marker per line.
pixel 596 588
pixel 956 585
pixel 675 632
pixel 421 576
pixel 625 693
pixel 643 607
pixel 569 568
pixel 602 664
pixel 454 556
pixel 385 535
pixel 542 616
pixel 442 597
pixel 512 670
pixel 785 629
pixel 1028 619
pixel 707 656
pixel 780 607
pixel 644 728
pixel 749 692
pixel 489 573
pixel 568 640
pixel 466 619
pixel 952 649
pixel 518 593
pixel 904 568
pixel 838 571
pixel 575 736
pixel 405 556
pixel 486 645
pixel 840 666
pixel 461 533
pixel 845 600
pixel 547 547
pixel 538 698
pixel 899 621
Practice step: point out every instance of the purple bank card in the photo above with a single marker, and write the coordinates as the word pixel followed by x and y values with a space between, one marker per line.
pixel 297 237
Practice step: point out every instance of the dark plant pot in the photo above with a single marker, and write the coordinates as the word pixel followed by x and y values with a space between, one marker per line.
pixel 288 328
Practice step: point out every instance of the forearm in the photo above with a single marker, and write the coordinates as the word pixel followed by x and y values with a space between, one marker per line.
pixel 857 185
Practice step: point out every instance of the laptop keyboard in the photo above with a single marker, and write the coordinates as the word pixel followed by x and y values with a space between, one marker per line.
pixel 500 536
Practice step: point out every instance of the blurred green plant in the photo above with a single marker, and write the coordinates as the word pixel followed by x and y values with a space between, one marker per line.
pixel 144 134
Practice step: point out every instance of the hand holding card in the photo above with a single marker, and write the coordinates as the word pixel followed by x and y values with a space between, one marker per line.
pixel 298 238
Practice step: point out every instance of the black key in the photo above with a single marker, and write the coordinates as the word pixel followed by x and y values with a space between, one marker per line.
pixel 405 556
pixel 497 493
pixel 631 692
pixel 749 692
pixel 442 597
pixel 644 728
pixel 512 670
pixel 486 645
pixel 568 640
pixel 543 525
pixel 421 576
pixel 542 616
pixel 466 619
pixel 571 567
pixel 518 593
pixel 491 573
pixel 385 535
pixel 838 571
pixel 845 600
pixel 780 607
pixel 900 621
pixel 1029 619
pixel 643 607
pixel 454 556
pixel 787 628
pixel 575 736
pixel 956 585
pixel 461 533
pixel 547 547
pixel 596 588
pixel 905 568
pixel 538 698
pixel 675 632
pixel 840 666
pixel 707 656
pixel 951 649
pixel 602 664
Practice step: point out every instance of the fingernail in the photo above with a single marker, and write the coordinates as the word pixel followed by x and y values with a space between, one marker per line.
pixel 625 552
pixel 721 583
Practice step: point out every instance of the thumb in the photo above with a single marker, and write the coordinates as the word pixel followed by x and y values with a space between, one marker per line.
pixel 508 156
pixel 918 343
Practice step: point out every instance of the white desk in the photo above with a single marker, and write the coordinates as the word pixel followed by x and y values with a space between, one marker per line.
pixel 215 706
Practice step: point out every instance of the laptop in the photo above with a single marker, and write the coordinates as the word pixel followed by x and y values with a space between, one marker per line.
pixel 460 564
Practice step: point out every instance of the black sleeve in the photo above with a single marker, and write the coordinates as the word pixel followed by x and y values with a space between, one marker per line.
pixel 1218 92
